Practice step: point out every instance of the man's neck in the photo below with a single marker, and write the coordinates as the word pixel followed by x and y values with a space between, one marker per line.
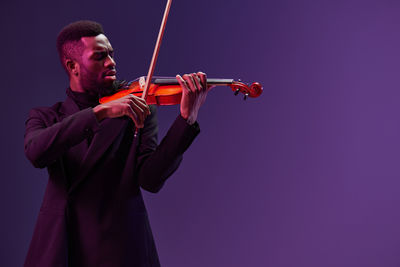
pixel 75 85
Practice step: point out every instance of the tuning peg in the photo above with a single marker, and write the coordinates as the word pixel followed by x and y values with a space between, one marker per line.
pixel 236 91
pixel 245 96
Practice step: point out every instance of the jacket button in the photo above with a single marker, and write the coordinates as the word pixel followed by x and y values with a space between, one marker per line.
pixel 88 132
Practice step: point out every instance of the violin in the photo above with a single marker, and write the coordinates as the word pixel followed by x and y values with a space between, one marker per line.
pixel 165 91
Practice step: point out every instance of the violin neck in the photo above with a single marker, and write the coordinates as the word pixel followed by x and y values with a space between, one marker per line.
pixel 210 81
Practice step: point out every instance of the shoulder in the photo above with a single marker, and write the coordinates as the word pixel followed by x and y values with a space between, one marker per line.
pixel 46 113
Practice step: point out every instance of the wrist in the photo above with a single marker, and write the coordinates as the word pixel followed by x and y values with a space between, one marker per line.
pixel 189 119
pixel 99 112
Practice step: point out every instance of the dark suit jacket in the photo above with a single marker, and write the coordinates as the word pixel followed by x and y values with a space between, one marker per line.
pixel 93 212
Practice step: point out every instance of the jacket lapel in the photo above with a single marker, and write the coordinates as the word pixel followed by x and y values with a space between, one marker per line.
pixel 109 130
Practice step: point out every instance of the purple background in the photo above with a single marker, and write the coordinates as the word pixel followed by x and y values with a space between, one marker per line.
pixel 306 175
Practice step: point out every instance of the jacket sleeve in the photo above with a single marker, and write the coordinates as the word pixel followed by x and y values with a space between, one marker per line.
pixel 157 162
pixel 46 141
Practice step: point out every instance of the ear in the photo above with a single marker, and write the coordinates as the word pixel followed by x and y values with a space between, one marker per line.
pixel 72 67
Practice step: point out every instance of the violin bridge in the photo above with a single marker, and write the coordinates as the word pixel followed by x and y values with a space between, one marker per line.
pixel 142 82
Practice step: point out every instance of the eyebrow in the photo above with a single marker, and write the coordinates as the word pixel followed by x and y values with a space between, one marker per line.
pixel 102 50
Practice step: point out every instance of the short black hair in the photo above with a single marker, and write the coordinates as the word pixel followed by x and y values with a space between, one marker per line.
pixel 68 40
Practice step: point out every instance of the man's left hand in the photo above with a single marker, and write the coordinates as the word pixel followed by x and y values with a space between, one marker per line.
pixel 194 93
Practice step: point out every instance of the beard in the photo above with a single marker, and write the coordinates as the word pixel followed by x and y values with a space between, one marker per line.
pixel 94 84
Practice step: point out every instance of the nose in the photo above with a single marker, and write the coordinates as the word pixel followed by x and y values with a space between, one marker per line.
pixel 110 62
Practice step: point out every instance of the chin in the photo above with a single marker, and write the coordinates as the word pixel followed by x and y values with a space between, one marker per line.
pixel 108 88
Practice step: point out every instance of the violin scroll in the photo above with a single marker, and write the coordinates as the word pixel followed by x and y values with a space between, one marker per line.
pixel 254 90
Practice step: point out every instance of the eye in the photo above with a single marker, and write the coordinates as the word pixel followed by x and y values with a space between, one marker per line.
pixel 100 55
pixel 111 53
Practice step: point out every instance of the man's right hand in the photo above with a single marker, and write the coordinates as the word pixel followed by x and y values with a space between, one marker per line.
pixel 130 105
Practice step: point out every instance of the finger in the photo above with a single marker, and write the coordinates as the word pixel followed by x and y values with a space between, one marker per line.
pixel 139 112
pixel 141 103
pixel 183 83
pixel 203 79
pixel 136 98
pixel 128 111
pixel 189 79
pixel 132 113
pixel 197 82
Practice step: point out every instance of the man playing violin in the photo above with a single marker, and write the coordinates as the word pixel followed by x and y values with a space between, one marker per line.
pixel 98 156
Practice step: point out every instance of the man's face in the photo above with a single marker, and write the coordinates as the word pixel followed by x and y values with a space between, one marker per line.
pixel 97 65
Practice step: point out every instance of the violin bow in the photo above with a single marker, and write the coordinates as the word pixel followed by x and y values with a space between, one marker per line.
pixel 156 50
